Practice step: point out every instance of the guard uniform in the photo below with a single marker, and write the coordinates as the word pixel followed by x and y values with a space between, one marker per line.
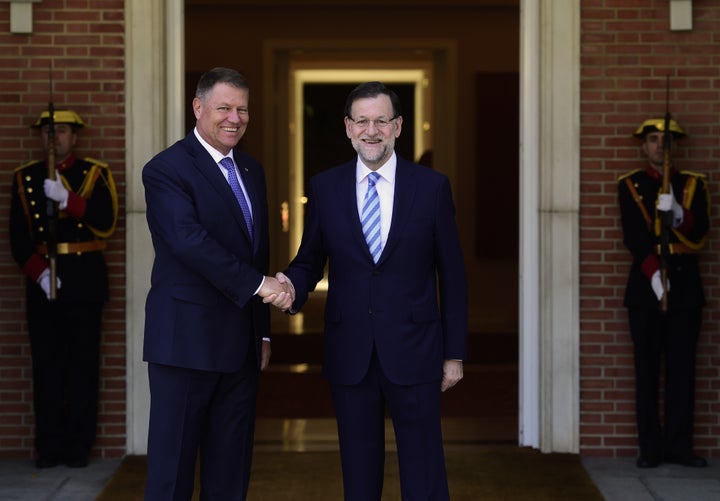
pixel 673 333
pixel 65 332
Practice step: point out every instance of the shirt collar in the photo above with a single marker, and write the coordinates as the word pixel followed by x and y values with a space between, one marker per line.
pixel 215 154
pixel 386 171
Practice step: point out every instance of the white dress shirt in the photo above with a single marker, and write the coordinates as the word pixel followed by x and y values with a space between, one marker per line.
pixel 217 156
pixel 386 191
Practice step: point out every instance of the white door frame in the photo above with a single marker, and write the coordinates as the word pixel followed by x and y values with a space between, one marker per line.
pixel 549 237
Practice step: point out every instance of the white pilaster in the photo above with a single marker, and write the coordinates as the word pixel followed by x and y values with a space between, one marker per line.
pixel 549 275
pixel 154 93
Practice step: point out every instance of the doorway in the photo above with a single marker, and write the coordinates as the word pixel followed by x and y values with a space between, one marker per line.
pixel 520 31
pixel 310 86
pixel 297 70
pixel 317 142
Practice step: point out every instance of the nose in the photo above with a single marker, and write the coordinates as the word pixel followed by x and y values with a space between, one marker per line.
pixel 371 123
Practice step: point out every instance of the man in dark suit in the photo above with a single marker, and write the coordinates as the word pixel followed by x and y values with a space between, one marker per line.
pixel 387 341
pixel 65 330
pixel 671 335
pixel 206 330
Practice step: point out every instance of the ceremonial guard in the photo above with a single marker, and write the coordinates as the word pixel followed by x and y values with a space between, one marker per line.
pixel 58 227
pixel 664 293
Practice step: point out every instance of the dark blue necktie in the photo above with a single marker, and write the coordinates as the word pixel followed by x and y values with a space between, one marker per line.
pixel 371 217
pixel 228 164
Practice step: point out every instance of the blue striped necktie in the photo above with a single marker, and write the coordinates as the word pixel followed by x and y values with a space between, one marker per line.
pixel 371 217
pixel 228 164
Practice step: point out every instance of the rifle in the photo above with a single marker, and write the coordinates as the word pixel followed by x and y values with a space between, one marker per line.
pixel 666 217
pixel 51 205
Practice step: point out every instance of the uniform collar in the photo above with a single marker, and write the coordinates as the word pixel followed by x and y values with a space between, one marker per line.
pixel 656 174
pixel 66 163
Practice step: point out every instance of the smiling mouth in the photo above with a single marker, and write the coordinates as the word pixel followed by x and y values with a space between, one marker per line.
pixel 230 129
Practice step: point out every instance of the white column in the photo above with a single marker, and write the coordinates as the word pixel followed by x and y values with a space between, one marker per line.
pixel 529 260
pixel 549 274
pixel 154 94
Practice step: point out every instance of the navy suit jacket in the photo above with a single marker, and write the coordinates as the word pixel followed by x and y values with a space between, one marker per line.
pixel 201 312
pixel 412 305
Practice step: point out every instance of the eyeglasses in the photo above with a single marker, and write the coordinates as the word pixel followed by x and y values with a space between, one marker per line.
pixel 379 123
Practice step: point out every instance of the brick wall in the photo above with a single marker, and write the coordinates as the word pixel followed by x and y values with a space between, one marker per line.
pixel 627 49
pixel 84 42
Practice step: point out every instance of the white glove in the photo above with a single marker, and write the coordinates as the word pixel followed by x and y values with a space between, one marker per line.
pixel 55 190
pixel 667 202
pixel 657 285
pixel 44 282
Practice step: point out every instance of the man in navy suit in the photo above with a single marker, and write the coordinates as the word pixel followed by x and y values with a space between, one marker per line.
pixel 206 329
pixel 388 341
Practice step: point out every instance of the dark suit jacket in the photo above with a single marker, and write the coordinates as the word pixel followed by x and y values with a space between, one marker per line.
pixel 394 304
pixel 200 310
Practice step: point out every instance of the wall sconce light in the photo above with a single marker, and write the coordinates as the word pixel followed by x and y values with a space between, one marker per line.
pixel 21 15
pixel 680 15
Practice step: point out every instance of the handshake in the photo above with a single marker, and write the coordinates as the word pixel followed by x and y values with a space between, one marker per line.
pixel 278 291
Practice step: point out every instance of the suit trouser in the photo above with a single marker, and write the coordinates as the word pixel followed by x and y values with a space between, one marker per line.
pixel 65 345
pixel 669 338
pixel 415 413
pixel 209 412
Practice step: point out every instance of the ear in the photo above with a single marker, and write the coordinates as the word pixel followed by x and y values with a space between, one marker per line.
pixel 197 106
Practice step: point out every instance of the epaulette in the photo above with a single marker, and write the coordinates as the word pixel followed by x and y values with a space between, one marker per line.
pixel 694 174
pixel 96 162
pixel 628 174
pixel 26 165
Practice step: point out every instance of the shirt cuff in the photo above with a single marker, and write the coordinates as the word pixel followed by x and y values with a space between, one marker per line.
pixel 262 282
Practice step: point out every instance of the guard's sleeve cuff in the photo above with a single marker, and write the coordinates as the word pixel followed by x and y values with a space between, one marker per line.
pixel 34 266
pixel 687 223
pixel 76 205
pixel 650 265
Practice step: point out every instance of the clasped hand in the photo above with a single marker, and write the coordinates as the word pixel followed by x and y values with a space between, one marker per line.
pixel 657 285
pixel 44 282
pixel 666 203
pixel 56 191
pixel 278 291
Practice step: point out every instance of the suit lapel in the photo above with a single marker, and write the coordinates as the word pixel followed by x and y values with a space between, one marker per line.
pixel 347 194
pixel 405 188
pixel 207 168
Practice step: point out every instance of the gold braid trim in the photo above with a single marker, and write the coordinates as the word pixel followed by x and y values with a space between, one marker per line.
pixel 100 170
pixel 688 194
pixel 638 200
